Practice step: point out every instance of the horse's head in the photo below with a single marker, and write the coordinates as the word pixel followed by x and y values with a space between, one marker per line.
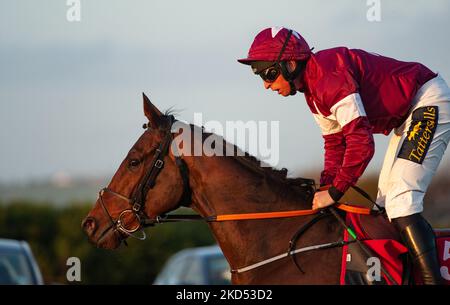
pixel 149 182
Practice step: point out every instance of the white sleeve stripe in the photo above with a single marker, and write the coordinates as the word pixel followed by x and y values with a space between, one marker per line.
pixel 327 126
pixel 348 109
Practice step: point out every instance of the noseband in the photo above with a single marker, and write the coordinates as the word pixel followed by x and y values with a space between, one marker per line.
pixel 138 198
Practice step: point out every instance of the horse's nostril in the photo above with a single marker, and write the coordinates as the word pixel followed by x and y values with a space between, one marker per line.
pixel 89 225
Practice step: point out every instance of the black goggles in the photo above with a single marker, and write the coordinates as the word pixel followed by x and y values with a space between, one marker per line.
pixel 270 74
pixel 268 70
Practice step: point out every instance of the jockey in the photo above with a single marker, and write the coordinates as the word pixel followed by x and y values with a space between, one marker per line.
pixel 353 94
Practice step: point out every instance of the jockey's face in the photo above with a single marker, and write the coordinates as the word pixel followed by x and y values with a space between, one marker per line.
pixel 280 85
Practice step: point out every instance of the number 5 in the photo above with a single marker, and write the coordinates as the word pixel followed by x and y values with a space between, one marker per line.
pixel 444 270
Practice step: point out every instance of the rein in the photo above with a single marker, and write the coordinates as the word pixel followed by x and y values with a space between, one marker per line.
pixel 250 216
pixel 138 200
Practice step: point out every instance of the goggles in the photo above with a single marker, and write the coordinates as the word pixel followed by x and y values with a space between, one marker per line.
pixel 270 74
pixel 268 70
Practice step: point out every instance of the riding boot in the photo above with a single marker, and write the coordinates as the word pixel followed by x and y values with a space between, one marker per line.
pixel 418 236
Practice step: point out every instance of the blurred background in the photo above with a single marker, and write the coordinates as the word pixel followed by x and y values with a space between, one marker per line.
pixel 71 105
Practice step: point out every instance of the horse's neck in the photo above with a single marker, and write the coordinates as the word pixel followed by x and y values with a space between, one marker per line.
pixel 223 187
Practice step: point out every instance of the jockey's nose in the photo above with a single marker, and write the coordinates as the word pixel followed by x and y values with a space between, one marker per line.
pixel 267 85
pixel 89 225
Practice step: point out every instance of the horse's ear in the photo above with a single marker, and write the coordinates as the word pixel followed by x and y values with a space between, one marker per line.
pixel 152 113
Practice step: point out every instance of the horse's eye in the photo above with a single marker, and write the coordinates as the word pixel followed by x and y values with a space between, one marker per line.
pixel 134 163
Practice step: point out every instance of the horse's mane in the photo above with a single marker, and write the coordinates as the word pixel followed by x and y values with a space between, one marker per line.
pixel 300 186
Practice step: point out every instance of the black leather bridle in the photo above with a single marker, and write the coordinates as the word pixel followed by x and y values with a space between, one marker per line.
pixel 138 198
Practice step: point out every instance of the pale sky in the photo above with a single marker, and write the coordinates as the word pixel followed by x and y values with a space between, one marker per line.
pixel 70 92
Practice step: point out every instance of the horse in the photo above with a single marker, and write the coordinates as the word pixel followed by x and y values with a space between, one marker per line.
pixel 154 180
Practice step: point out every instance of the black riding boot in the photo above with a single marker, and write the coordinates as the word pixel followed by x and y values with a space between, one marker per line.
pixel 418 236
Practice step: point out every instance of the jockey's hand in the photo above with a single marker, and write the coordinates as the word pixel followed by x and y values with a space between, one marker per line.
pixel 322 199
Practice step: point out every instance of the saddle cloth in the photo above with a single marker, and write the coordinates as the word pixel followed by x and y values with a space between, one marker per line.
pixel 387 252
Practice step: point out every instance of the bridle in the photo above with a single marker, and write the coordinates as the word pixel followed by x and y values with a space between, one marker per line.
pixel 138 197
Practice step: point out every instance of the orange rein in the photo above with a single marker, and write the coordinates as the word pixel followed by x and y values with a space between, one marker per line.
pixel 268 215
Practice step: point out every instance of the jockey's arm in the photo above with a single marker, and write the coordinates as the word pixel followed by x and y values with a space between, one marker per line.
pixel 349 144
pixel 334 146
pixel 359 143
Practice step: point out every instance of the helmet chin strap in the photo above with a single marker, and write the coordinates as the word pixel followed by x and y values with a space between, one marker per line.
pixel 293 89
pixel 288 75
pixel 291 76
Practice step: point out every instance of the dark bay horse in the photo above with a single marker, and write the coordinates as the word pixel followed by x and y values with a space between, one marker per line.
pixel 152 180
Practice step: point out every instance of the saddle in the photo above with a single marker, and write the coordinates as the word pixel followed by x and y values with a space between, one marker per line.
pixel 387 249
